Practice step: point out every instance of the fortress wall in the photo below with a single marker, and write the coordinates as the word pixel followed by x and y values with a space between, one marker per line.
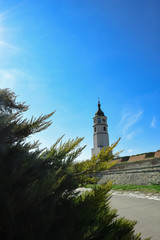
pixel 145 172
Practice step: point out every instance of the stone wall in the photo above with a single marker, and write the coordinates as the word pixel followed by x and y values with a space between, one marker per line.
pixel 144 172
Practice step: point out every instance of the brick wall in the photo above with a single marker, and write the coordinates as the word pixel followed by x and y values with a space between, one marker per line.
pixel 157 154
pixel 137 158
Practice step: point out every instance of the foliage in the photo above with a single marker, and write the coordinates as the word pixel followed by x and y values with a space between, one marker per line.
pixel 37 187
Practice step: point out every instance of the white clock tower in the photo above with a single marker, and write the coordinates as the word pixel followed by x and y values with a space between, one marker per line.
pixel 100 131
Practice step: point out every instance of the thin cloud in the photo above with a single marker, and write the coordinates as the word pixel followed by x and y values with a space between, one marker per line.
pixel 10 77
pixel 131 150
pixel 7 79
pixel 131 121
pixel 153 123
pixel 128 121
pixel 13 78
pixel 130 135
pixel 124 117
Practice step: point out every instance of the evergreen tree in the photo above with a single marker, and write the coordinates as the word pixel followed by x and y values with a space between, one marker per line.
pixel 37 187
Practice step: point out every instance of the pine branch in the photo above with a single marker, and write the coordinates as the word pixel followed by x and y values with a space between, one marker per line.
pixel 103 157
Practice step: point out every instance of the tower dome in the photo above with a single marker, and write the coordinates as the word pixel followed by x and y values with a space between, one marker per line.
pixel 99 111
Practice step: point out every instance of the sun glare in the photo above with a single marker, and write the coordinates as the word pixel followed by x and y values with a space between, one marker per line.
pixel 3 16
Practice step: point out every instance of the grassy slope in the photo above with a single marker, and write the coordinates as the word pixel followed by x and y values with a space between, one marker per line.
pixel 140 188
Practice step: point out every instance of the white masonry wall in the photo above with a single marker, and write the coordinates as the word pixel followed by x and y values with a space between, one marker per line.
pixel 100 135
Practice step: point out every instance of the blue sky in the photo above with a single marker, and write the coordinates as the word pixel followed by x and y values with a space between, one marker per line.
pixel 63 54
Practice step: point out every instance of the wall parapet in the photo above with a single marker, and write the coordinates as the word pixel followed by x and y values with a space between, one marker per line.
pixel 138 157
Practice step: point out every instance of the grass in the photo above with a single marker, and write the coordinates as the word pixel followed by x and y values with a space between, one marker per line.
pixel 140 188
pixel 92 186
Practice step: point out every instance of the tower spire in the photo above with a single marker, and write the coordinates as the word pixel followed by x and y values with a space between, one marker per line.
pixel 99 111
pixel 99 105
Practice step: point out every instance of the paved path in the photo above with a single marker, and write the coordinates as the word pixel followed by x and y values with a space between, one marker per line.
pixel 145 211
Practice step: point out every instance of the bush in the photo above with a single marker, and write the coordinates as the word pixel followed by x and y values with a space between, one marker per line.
pixel 37 187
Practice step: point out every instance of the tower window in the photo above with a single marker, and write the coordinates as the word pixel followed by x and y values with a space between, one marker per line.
pixel 99 120
pixel 104 128
pixel 104 120
pixel 95 129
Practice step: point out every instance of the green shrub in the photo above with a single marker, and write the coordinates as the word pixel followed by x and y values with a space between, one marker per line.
pixel 37 188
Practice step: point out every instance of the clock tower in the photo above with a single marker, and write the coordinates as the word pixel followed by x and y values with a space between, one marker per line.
pixel 100 131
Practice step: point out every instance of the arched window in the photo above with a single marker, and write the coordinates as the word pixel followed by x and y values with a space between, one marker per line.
pixel 95 129
pixel 104 128
pixel 99 120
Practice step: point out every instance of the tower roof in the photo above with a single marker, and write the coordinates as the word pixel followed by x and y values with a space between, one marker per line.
pixel 99 112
